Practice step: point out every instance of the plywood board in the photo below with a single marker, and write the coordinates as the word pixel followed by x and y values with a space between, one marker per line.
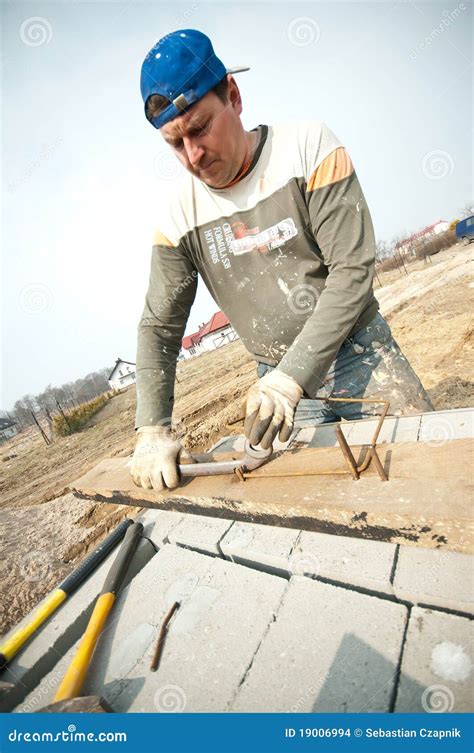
pixel 427 500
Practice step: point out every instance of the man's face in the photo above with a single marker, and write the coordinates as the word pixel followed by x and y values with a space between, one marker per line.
pixel 208 139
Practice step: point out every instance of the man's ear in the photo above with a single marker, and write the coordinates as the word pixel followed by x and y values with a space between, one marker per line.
pixel 234 94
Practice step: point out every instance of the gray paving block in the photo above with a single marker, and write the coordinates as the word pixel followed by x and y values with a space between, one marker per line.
pixel 224 613
pixel 200 532
pixel 443 426
pixel 62 630
pixel 434 577
pixel 358 562
pixel 436 672
pixel 159 524
pixel 236 443
pixel 329 650
pixel 323 435
pixel 265 548
pixel 394 429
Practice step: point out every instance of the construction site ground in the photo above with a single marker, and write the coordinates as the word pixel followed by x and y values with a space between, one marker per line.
pixel 46 532
pixel 272 619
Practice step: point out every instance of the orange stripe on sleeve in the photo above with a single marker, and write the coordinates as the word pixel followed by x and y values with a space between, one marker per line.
pixel 334 168
pixel 161 240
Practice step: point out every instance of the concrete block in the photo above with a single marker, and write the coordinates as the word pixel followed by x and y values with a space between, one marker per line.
pixel 329 650
pixel 394 429
pixel 62 630
pixel 435 578
pixel 236 443
pixel 265 548
pixel 436 672
pixel 358 562
pixel 443 426
pixel 323 435
pixel 224 613
pixel 158 524
pixel 201 533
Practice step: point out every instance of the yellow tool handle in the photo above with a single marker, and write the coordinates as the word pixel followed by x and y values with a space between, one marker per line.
pixel 19 638
pixel 74 678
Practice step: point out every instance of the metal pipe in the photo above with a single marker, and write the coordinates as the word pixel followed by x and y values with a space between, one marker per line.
pixel 253 458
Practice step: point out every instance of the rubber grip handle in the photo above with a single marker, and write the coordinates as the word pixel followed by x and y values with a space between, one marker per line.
pixel 117 572
pixel 94 558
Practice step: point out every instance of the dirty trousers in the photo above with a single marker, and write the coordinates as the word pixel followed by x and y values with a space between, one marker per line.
pixel 369 364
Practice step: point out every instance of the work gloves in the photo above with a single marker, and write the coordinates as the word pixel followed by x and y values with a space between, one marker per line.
pixel 270 410
pixel 156 458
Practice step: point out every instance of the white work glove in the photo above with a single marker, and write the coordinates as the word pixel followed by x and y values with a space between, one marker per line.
pixel 271 405
pixel 156 458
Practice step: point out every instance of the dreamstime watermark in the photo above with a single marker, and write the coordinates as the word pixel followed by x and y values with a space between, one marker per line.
pixel 36 31
pixel 437 699
pixel 303 31
pixel 304 563
pixel 302 299
pixel 311 693
pixel 42 693
pixel 449 18
pixel 436 430
pixel 170 699
pixel 180 286
pixel 437 165
pixel 35 566
pixel 166 166
pixel 35 298
pixel 46 152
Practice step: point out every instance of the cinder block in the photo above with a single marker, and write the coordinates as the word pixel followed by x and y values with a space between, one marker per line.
pixel 436 578
pixel 158 524
pixel 265 548
pixel 323 435
pixel 443 426
pixel 63 629
pixel 200 532
pixel 436 671
pixel 358 562
pixel 224 613
pixel 394 429
pixel 236 443
pixel 329 650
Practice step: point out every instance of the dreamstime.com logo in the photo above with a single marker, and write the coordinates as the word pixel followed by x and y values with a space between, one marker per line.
pixel 67 736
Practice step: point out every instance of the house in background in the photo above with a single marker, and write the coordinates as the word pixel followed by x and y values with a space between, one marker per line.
pixel 7 428
pixel 410 245
pixel 122 375
pixel 216 332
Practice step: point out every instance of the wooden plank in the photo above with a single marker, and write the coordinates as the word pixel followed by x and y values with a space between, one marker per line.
pixel 427 501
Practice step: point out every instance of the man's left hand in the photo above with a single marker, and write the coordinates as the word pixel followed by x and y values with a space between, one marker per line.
pixel 270 410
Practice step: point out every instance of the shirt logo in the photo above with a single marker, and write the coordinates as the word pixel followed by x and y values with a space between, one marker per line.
pixel 246 240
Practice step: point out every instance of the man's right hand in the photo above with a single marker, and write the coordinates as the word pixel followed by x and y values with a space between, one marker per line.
pixel 156 458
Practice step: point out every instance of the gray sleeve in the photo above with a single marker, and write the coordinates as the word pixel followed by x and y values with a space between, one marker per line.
pixel 342 227
pixel 171 292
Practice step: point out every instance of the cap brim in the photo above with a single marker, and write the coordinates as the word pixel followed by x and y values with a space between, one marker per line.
pixel 238 69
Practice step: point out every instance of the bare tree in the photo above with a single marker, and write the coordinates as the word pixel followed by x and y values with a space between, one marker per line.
pixel 467 210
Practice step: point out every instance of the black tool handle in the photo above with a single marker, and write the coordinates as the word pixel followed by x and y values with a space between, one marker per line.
pixel 94 558
pixel 117 572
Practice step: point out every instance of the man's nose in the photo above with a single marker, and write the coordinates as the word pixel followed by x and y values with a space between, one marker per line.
pixel 194 151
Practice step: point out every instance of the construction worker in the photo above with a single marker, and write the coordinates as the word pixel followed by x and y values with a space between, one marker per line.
pixel 275 222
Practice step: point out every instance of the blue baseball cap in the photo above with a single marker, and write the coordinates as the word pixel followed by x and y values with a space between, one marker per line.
pixel 183 67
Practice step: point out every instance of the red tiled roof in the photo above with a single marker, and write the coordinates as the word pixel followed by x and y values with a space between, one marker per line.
pixel 419 234
pixel 217 321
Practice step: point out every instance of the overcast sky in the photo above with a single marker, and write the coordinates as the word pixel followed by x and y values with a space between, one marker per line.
pixel 84 173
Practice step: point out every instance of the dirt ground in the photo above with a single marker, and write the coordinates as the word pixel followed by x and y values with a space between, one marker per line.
pixel 45 531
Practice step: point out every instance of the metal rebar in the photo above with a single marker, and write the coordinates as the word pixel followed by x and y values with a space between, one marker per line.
pixel 161 637
pixel 346 451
